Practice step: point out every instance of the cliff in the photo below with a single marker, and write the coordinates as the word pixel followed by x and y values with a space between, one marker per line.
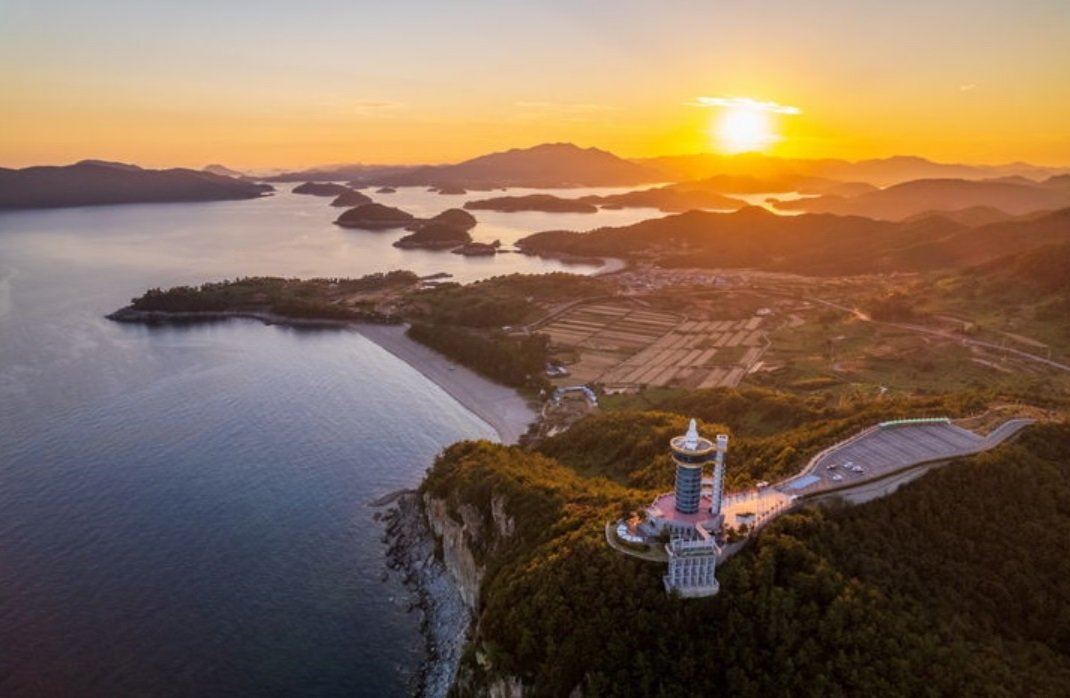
pixel 557 612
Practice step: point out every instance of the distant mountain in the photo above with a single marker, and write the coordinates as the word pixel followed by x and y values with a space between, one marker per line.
pixel 95 182
pixel 973 216
pixel 543 166
pixel 223 171
pixel 355 175
pixel 911 198
pixel 881 172
pixel 820 244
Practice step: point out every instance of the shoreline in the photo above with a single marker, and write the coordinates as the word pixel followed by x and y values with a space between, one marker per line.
pixel 502 408
pixel 445 620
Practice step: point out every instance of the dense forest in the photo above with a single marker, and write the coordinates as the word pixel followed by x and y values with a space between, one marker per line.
pixel 956 585
pixel 295 298
pixel 471 324
pixel 513 361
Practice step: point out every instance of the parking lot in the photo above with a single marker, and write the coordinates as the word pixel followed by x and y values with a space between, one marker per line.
pixel 882 450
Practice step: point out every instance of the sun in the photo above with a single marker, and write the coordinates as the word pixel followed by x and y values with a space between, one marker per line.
pixel 743 129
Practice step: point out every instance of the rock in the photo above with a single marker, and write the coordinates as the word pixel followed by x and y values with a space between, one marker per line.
pixel 386 190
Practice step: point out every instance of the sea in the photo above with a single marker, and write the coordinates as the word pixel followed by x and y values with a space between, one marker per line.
pixel 184 511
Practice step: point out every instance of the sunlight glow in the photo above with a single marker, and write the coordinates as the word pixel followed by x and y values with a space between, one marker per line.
pixel 741 129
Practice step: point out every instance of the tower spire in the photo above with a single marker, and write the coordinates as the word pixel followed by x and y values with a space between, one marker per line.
pixel 691 437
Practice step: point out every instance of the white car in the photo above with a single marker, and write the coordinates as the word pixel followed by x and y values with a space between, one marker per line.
pixel 856 468
pixel 837 477
pixel 832 466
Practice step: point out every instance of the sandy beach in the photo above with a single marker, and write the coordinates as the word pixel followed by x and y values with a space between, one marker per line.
pixel 500 407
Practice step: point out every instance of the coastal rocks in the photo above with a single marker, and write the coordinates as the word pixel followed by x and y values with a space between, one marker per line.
pixel 445 616
pixel 320 189
pixel 386 190
pixel 374 217
pixel 351 198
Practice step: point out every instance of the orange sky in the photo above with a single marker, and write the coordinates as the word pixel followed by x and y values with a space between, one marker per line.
pixel 281 84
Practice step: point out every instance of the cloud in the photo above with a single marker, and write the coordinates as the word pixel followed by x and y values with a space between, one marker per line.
pixel 744 103
pixel 966 88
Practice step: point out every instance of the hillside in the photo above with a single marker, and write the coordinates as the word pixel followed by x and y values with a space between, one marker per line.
pixel 821 244
pixel 881 172
pixel 898 597
pixel 543 166
pixel 91 183
pixel 911 198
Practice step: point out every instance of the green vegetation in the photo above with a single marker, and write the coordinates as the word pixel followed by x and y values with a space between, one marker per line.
pixel 294 298
pixel 956 585
pixel 513 361
pixel 502 300
pixel 465 322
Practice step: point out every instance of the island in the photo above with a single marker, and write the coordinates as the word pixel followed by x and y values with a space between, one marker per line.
pixel 453 217
pixel 532 202
pixel 435 236
pixel 478 249
pixel 374 217
pixel 350 198
pixel 96 182
pixel 321 189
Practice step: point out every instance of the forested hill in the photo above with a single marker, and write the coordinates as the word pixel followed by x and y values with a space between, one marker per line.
pixel 91 183
pixel 958 584
pixel 819 244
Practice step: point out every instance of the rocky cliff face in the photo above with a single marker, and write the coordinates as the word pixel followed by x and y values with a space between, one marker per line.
pixel 457 551
pixel 461 540
pixel 463 545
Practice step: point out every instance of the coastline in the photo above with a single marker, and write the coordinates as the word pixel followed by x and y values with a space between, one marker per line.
pixel 499 406
pixel 502 408
pixel 444 618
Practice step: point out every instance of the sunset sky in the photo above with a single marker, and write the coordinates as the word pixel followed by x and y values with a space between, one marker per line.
pixel 281 83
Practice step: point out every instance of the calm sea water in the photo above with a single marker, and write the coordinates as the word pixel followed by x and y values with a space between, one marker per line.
pixel 183 510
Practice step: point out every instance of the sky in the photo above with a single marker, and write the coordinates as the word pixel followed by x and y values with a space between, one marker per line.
pixel 282 83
